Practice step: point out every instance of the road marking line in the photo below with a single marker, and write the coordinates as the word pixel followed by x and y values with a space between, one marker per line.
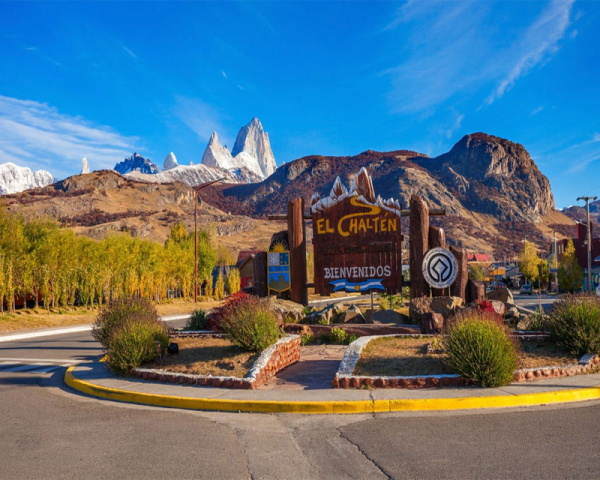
pixel 20 368
pixel 66 330
pixel 62 361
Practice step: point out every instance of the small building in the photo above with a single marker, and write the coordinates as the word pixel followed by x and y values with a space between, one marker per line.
pixel 245 264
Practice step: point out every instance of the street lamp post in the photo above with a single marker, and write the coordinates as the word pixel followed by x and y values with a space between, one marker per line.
pixel 196 190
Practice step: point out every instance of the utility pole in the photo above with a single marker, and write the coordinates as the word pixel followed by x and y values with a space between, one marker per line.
pixel 196 190
pixel 589 240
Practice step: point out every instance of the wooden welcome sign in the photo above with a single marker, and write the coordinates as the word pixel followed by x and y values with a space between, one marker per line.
pixel 357 239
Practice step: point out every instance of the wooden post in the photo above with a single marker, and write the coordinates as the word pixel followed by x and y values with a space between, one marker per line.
pixel 259 287
pixel 297 243
pixel 459 287
pixel 419 241
pixel 437 238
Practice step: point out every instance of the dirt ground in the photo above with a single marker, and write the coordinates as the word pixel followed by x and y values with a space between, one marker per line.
pixel 406 356
pixel 25 319
pixel 208 356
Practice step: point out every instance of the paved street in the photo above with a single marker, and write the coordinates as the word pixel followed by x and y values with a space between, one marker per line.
pixel 49 431
pixel 532 302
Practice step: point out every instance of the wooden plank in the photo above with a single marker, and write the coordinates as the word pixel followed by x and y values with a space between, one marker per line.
pixel 259 287
pixel 297 243
pixel 437 238
pixel 419 241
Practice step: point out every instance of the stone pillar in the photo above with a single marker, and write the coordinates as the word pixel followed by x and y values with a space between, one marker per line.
pixel 459 287
pixel 419 242
pixel 437 238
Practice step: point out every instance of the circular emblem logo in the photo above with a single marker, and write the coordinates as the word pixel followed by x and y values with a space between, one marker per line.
pixel 439 268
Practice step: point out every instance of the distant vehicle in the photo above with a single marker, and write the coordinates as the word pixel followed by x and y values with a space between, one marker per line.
pixel 496 285
pixel 526 290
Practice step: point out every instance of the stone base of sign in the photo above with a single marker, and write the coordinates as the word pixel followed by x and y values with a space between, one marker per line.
pixel 344 378
pixel 275 358
pixel 445 306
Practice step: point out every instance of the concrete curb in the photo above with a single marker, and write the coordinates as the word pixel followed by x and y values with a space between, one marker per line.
pixel 338 407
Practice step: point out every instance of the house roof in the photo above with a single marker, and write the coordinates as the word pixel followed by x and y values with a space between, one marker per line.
pixel 479 257
pixel 245 255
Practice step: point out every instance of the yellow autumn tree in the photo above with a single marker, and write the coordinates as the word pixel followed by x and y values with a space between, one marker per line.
pixel 570 274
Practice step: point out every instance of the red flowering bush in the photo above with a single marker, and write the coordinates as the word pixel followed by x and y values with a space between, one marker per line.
pixel 226 310
pixel 490 313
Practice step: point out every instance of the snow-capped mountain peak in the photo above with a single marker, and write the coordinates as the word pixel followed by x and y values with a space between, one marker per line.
pixel 15 179
pixel 136 163
pixel 254 141
pixel 170 162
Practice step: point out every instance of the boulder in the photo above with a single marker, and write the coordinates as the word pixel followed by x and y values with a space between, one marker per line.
pixel 446 306
pixel 499 307
pixel 388 316
pixel 352 315
pixel 290 312
pixel 512 312
pixel 503 294
pixel 432 322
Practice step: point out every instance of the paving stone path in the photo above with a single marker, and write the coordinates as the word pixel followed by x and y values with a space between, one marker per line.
pixel 316 369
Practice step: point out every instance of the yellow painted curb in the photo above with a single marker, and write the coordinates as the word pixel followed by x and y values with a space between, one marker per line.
pixel 360 406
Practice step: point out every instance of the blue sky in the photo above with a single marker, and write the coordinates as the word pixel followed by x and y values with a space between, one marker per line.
pixel 105 79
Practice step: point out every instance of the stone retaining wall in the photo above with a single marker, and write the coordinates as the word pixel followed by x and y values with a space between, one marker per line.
pixel 344 377
pixel 275 358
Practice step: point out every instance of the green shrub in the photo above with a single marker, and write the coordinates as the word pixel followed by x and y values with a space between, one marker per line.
pixel 135 343
pixel 250 324
pixel 480 350
pixel 197 321
pixel 113 316
pixel 339 336
pixel 574 324
pixel 306 338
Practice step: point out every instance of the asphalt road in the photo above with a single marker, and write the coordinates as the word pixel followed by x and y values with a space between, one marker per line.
pixel 532 302
pixel 50 431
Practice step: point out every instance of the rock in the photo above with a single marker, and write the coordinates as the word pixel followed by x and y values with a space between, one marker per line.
pixel 446 306
pixel 388 316
pixel 432 322
pixel 512 312
pixel 498 306
pixel 173 348
pixel 352 315
pixel 475 291
pixel 503 294
pixel 290 312
pixel 525 322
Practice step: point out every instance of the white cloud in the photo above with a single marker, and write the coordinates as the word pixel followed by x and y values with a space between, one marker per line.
pixel 455 126
pixel 537 110
pixel 129 52
pixel 37 135
pixel 453 49
pixel 538 43
pixel 201 118
pixel 224 74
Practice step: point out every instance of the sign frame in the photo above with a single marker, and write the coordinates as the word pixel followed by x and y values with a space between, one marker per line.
pixel 436 262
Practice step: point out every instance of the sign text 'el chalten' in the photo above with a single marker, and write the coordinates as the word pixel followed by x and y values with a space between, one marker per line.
pixel 357 239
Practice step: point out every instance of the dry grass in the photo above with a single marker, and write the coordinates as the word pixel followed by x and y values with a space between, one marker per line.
pixel 398 357
pixel 26 319
pixel 406 356
pixel 208 356
pixel 545 354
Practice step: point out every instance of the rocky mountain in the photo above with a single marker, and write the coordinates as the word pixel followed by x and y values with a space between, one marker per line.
pixel 579 214
pixel 490 188
pixel 136 163
pixel 170 162
pixel 254 141
pixel 252 151
pixel 14 178
pixel 193 175
pixel 105 202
